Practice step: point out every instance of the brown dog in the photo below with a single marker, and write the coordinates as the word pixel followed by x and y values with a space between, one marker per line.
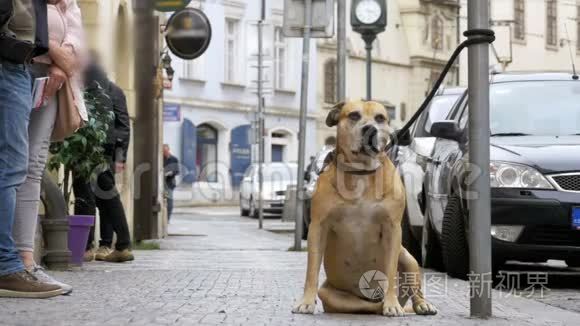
pixel 356 224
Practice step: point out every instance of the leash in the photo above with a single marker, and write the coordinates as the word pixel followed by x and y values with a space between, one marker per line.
pixel 475 36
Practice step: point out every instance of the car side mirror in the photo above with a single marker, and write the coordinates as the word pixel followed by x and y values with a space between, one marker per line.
pixel 446 129
pixel 404 139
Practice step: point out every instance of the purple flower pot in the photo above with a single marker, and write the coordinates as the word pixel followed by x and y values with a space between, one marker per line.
pixel 78 235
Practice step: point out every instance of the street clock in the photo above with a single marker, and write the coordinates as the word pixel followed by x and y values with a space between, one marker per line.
pixel 369 16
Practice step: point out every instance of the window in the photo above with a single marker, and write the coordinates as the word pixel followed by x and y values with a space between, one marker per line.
pixel 552 22
pixel 403 112
pixel 330 81
pixel 520 20
pixel 521 107
pixel 330 141
pixel 231 49
pixel 279 59
pixel 437 33
pixel 206 158
pixel 277 153
pixel 437 111
pixel 433 77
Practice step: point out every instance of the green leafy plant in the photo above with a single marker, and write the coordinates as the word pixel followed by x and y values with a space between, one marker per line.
pixel 83 152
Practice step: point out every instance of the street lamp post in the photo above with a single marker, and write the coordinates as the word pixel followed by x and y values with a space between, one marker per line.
pixel 341 49
pixel 261 124
pixel 369 18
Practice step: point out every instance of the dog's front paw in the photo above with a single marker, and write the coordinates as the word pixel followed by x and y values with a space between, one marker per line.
pixel 305 307
pixel 424 308
pixel 393 309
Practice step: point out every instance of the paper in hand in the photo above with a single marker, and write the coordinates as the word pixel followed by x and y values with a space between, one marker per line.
pixel 38 90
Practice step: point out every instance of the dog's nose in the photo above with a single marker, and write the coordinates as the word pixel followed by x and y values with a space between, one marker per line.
pixel 369 139
pixel 369 131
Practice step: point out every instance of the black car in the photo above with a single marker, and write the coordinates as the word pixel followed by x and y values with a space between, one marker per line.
pixel 534 170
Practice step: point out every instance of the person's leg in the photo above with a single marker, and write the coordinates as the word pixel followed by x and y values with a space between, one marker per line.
pixel 15 106
pixel 169 204
pixel 112 212
pixel 106 234
pixel 28 194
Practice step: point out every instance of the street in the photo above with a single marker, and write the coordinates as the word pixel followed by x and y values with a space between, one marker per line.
pixel 217 268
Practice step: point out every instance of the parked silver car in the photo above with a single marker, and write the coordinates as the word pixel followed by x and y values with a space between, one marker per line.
pixel 412 162
pixel 277 178
pixel 311 177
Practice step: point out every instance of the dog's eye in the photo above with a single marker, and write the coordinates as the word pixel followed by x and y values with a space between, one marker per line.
pixel 380 118
pixel 354 116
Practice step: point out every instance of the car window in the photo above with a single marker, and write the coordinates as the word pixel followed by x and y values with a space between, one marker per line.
pixel 541 108
pixel 437 111
pixel 458 108
pixel 284 172
pixel 248 172
pixel 464 118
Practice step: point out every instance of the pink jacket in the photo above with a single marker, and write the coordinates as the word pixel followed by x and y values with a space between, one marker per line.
pixel 65 27
pixel 69 16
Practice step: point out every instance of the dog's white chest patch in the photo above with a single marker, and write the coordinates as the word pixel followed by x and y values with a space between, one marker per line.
pixel 360 222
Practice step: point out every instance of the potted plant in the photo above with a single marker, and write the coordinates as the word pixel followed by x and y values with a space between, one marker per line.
pixel 82 154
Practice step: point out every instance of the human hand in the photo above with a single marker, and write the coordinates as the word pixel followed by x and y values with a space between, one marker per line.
pixel 64 57
pixel 119 167
pixel 53 2
pixel 56 79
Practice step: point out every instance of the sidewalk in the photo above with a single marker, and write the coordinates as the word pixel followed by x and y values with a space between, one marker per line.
pixel 219 269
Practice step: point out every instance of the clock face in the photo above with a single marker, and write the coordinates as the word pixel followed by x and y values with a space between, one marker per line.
pixel 368 11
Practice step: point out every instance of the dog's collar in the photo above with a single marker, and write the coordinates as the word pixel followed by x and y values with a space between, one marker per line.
pixel 348 169
pixel 361 172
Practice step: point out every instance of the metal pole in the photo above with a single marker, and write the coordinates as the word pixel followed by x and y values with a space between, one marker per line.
pixel 302 128
pixel 341 49
pixel 146 116
pixel 480 215
pixel 261 117
pixel 458 39
pixel 369 39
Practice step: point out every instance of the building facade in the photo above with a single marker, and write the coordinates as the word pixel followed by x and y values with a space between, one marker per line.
pixel 532 35
pixel 407 58
pixel 109 28
pixel 210 112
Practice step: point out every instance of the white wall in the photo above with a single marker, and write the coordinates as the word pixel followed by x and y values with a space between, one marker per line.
pixel 532 54
pixel 207 98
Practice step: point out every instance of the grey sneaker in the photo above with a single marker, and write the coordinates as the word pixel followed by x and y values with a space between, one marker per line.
pixel 40 274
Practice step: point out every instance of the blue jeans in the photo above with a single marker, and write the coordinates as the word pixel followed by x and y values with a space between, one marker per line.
pixel 15 107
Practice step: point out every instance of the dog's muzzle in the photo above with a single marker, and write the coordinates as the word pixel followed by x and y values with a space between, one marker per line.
pixel 370 140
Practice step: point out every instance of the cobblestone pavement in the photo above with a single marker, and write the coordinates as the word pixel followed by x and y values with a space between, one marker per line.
pixel 219 269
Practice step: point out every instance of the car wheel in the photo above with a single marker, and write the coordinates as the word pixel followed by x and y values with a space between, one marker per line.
pixel 409 242
pixel 253 209
pixel 243 212
pixel 430 247
pixel 454 239
pixel 305 221
pixel 573 262
pixel 252 212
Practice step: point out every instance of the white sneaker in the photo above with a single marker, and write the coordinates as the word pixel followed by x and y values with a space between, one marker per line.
pixel 41 275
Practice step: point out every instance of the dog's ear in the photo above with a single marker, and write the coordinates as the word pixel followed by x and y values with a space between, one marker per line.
pixel 334 114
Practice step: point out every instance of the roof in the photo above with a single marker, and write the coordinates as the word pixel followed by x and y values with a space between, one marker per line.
pixel 452 91
pixel 530 76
